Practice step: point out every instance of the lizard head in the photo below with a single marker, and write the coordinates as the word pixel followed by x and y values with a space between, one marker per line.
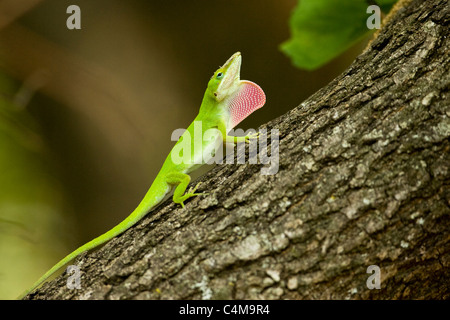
pixel 239 97
pixel 226 78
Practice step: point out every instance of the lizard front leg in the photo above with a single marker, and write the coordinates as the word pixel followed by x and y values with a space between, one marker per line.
pixel 181 180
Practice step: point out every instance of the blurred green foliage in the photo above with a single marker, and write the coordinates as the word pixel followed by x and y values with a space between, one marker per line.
pixel 30 198
pixel 385 5
pixel 323 29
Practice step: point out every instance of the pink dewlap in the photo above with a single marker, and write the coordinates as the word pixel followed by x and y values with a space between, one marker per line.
pixel 249 98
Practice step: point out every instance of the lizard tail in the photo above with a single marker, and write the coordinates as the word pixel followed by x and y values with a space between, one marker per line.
pixel 143 208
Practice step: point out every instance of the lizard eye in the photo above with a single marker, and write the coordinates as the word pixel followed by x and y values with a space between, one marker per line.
pixel 219 75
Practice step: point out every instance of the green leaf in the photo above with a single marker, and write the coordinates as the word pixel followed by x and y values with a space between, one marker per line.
pixel 323 29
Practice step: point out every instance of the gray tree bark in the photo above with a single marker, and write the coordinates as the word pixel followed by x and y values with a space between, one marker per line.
pixel 363 180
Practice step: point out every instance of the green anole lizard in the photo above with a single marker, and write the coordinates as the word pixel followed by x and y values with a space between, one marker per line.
pixel 227 101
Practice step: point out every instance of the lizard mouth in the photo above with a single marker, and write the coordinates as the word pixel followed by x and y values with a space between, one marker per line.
pixel 232 69
pixel 233 62
pixel 233 66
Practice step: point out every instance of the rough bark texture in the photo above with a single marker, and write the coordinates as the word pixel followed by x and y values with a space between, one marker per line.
pixel 363 180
